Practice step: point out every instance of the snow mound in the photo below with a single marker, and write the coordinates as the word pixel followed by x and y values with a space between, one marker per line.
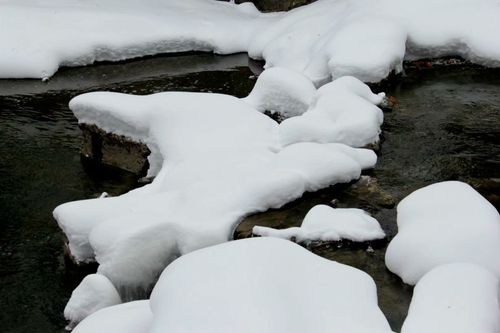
pixel 264 285
pixel 283 91
pixel 251 285
pixel 444 223
pixel 216 160
pixel 324 223
pixel 344 111
pixel 459 298
pixel 93 293
pixel 131 317
pixel 324 40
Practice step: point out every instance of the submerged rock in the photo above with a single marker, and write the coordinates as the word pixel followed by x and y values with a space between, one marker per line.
pixel 368 189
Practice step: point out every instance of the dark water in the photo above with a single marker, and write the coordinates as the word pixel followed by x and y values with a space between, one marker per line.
pixel 445 126
pixel 40 168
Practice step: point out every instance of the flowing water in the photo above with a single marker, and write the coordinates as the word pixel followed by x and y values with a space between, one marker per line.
pixel 444 126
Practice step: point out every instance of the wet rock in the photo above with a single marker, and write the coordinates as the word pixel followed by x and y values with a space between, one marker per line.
pixel 114 150
pixel 368 246
pixel 368 189
pixel 375 146
pixel 278 117
pixel 276 5
pixel 70 260
pixel 431 63
pixel 388 103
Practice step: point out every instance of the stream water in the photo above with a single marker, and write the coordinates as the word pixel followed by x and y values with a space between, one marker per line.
pixel 444 126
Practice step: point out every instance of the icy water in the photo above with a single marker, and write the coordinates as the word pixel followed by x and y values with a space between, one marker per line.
pixel 445 126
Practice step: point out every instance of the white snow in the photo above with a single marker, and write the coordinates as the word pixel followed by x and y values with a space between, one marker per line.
pixel 252 285
pixel 324 223
pixel 131 317
pixel 458 298
pixel 216 159
pixel 39 36
pixel 264 285
pixel 444 223
pixel 368 39
pixel 92 294
pixel 283 91
pixel 344 111
pixel 324 40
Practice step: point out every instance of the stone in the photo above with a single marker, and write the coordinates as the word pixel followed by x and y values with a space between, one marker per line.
pixel 276 5
pixel 114 150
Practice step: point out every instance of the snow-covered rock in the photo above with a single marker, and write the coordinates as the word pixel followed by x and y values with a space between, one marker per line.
pixel 131 317
pixel 283 91
pixel 216 159
pixel 264 285
pixel 458 298
pixel 344 111
pixel 95 292
pixel 324 223
pixel 324 40
pixel 444 223
pixel 252 285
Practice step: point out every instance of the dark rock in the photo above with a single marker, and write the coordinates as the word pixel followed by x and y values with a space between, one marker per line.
pixel 276 5
pixel 375 146
pixel 368 246
pixel 431 63
pixel 114 150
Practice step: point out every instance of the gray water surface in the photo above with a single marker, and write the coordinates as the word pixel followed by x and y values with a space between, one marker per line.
pixel 445 126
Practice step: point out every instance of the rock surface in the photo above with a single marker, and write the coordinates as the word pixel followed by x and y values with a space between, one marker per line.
pixel 114 150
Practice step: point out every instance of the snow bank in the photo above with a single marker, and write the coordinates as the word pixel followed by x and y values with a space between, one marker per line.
pixel 324 40
pixel 325 223
pixel 444 223
pixel 458 298
pixel 95 292
pixel 264 285
pixel 369 39
pixel 216 159
pixel 344 111
pixel 131 317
